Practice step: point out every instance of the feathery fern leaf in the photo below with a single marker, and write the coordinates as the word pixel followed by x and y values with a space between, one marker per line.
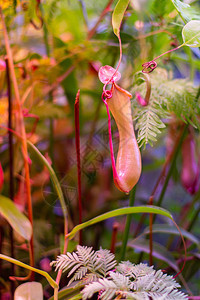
pixel 168 97
pixel 107 261
pixel 133 271
pixel 86 264
pixel 115 285
pixel 104 285
pixel 52 10
pixel 96 271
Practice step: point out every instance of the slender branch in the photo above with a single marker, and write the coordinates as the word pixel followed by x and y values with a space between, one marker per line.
pixel 102 15
pixel 59 80
pixel 77 136
pixel 84 11
pixel 154 33
pixel 11 165
pixel 21 128
pixel 114 237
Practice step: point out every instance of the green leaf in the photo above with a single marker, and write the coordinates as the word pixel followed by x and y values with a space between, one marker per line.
pixel 159 251
pixel 186 12
pixel 120 212
pixel 29 291
pixel 160 10
pixel 167 96
pixel 68 292
pixel 54 180
pixel 77 297
pixel 23 265
pixel 191 34
pixel 118 14
pixel 162 228
pixel 15 218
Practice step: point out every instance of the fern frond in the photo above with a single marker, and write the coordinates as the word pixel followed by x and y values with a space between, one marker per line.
pixel 122 282
pixel 168 97
pixel 66 262
pixel 95 270
pixel 88 278
pixel 175 295
pixel 149 122
pixel 86 261
pixel 87 256
pixel 53 8
pixel 106 261
pixel 133 271
pixel 108 287
pixel 125 268
pixel 79 274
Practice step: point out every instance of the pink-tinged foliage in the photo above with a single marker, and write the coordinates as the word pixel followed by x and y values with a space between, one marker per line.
pixel 1 177
pixel 20 197
pixel 2 65
pixel 45 264
pixel 190 168
pixel 140 99
pixel 5 296
pixel 106 74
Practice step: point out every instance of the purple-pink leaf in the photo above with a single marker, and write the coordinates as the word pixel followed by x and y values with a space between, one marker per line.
pixel 190 167
pixel 2 65
pixel 1 177
pixel 140 99
pixel 106 74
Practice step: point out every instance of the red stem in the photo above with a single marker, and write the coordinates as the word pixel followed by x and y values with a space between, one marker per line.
pixel 77 137
pixel 185 249
pixel 22 131
pixel 114 237
pixel 168 52
pixel 104 12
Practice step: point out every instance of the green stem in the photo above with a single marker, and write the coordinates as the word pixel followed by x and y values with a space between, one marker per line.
pixel 51 135
pixel 128 224
pixel 194 219
pixel 45 32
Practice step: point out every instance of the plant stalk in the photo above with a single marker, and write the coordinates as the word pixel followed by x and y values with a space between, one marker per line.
pixel 128 224
pixel 102 15
pixel 77 137
pixel 11 166
pixel 114 237
pixel 21 128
